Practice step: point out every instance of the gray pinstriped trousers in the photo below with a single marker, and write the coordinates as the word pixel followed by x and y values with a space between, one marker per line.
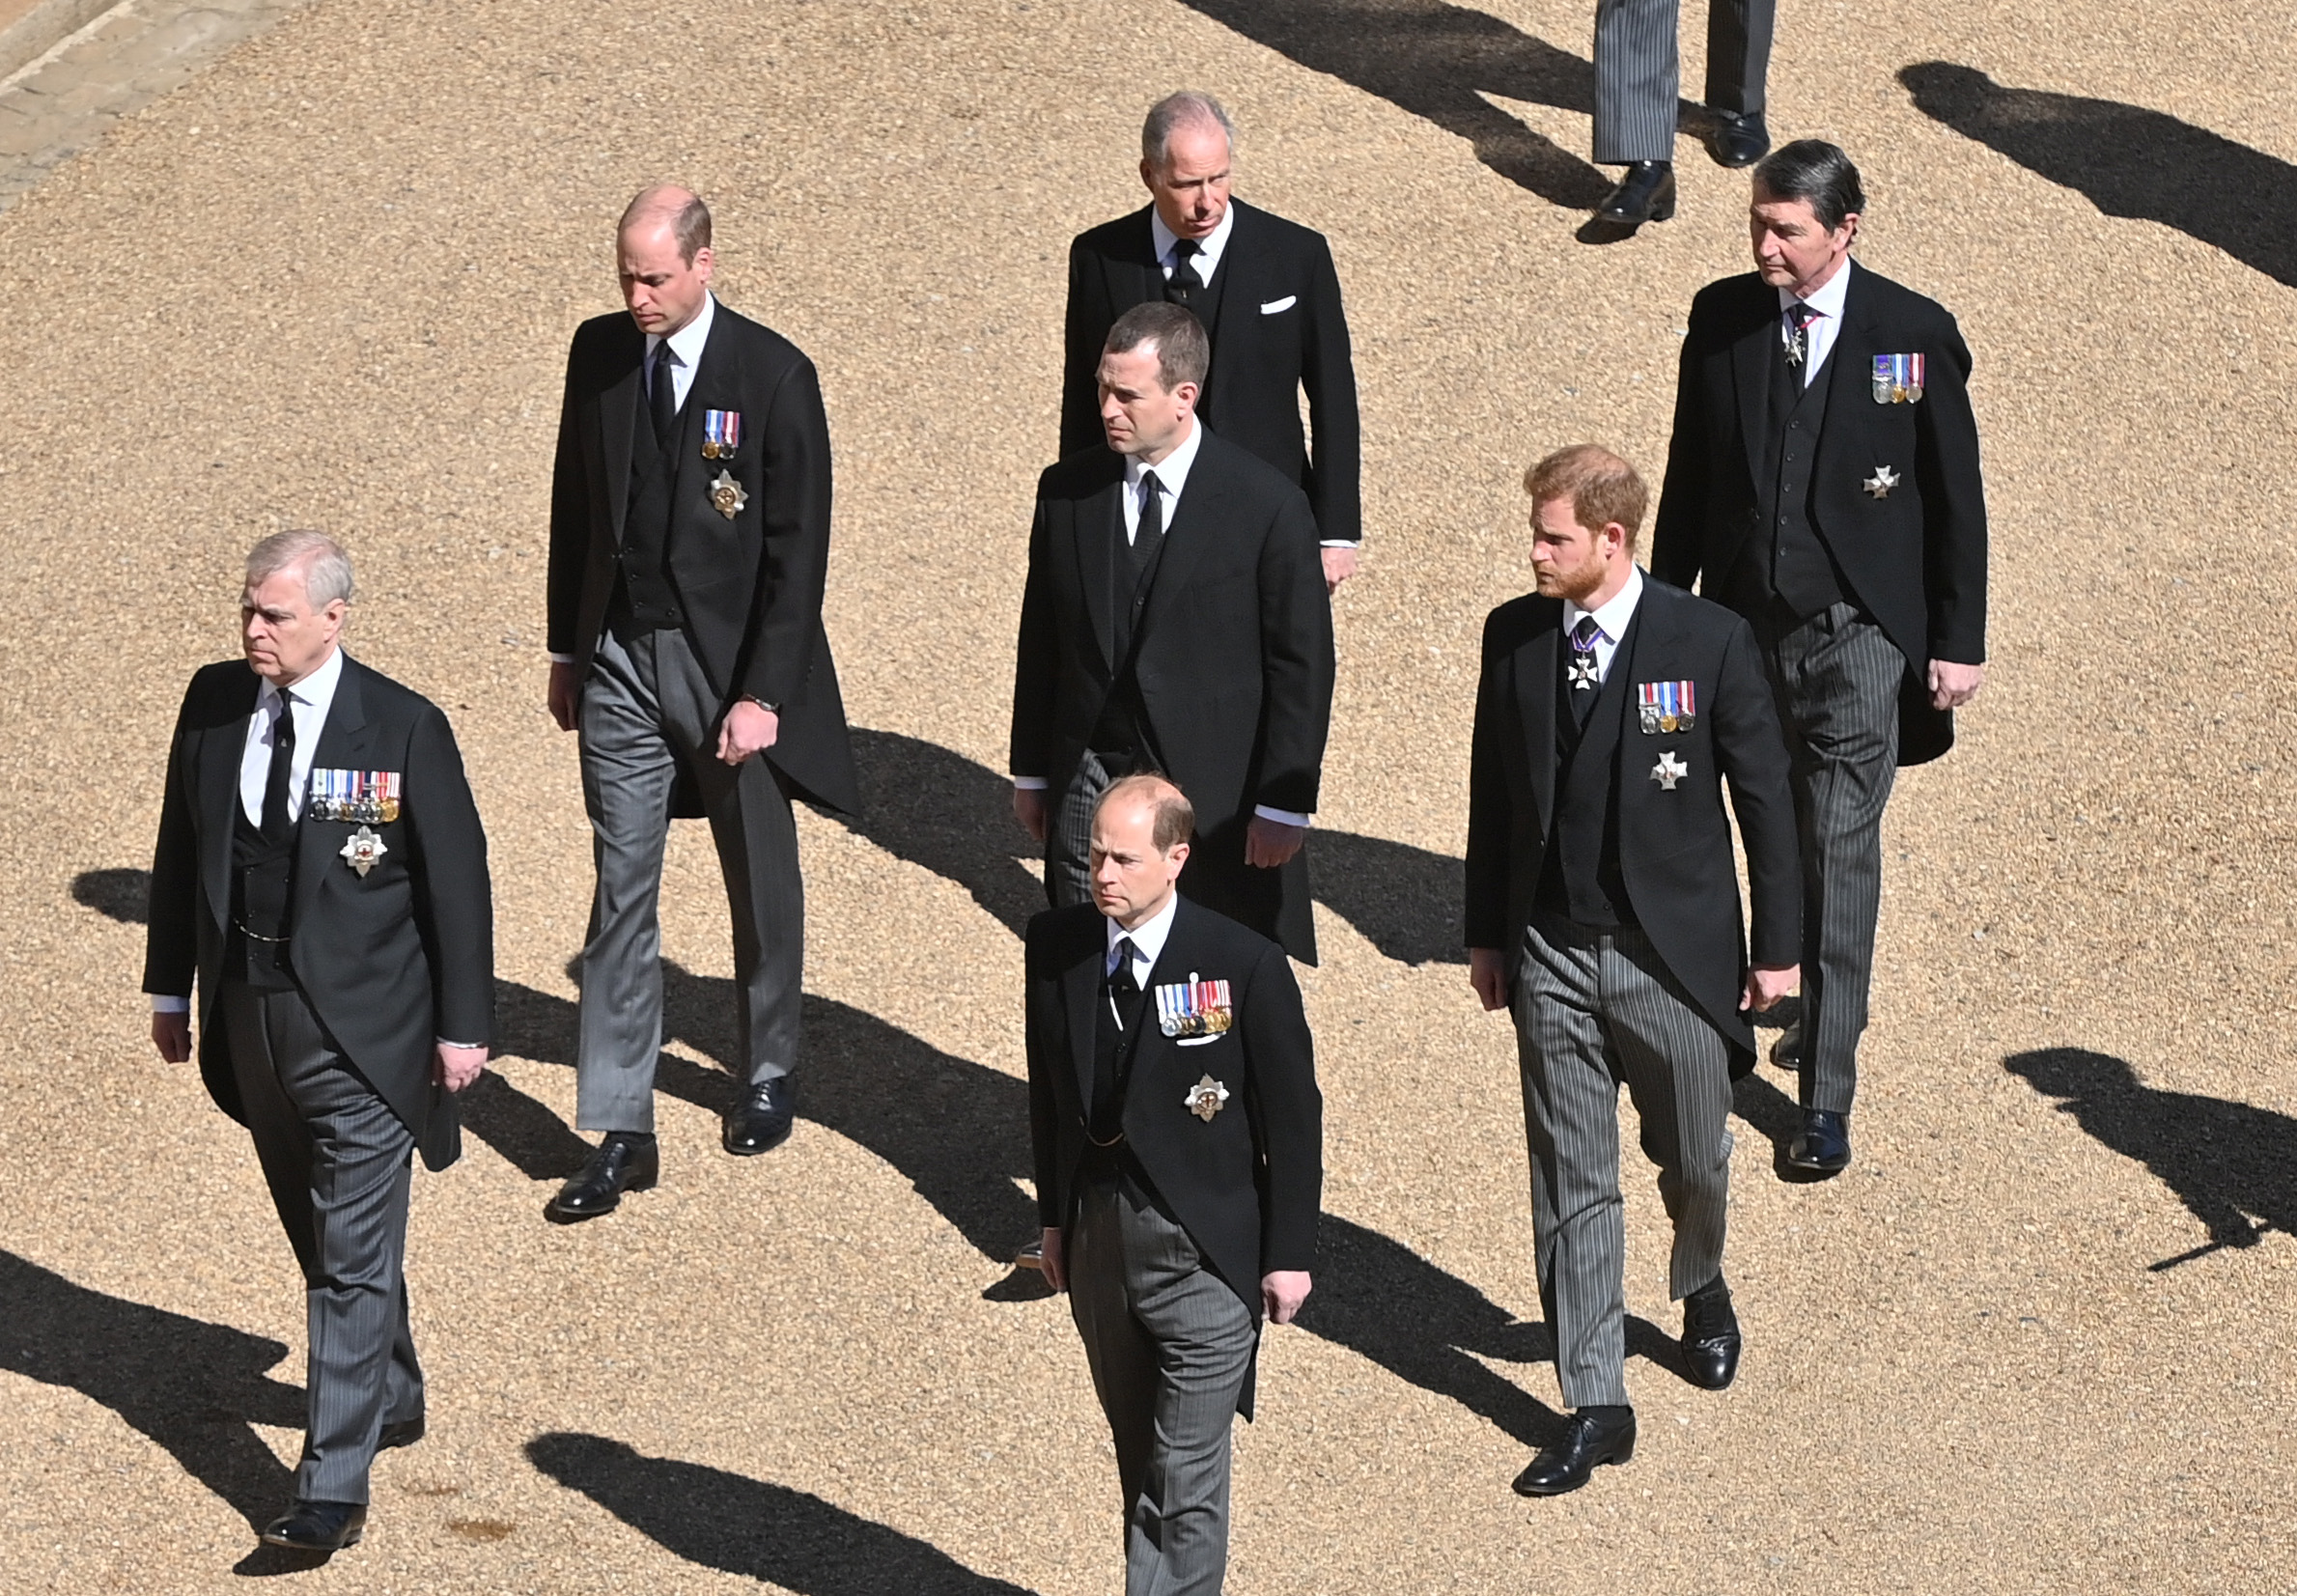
pixel 1836 678
pixel 336 1159
pixel 1594 1009
pixel 1169 1346
pixel 1638 71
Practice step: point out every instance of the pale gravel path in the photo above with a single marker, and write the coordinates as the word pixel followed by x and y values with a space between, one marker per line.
pixel 329 280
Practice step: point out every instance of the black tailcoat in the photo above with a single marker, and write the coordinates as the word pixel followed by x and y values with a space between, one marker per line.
pixel 1674 846
pixel 1914 558
pixel 391 961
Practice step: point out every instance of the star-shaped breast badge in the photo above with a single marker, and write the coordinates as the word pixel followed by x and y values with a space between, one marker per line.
pixel 1582 671
pixel 1881 483
pixel 1668 770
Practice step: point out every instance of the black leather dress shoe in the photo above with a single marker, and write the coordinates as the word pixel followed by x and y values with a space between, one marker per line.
pixel 405 1433
pixel 762 1123
pixel 1735 140
pixel 1823 1144
pixel 1645 194
pixel 622 1163
pixel 318 1526
pixel 1709 1336
pixel 1596 1436
pixel 1788 1052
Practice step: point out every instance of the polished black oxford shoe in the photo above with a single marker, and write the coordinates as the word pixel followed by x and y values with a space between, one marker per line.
pixel 1645 194
pixel 1822 1146
pixel 1709 1336
pixel 1735 140
pixel 322 1526
pixel 1788 1052
pixel 762 1123
pixel 405 1433
pixel 1596 1436
pixel 622 1163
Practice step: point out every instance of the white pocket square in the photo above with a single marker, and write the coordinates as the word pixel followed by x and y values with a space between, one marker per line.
pixel 1199 1041
pixel 1275 305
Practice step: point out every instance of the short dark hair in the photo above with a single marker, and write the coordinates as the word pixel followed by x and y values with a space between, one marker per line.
pixel 1817 173
pixel 1184 353
pixel 1175 820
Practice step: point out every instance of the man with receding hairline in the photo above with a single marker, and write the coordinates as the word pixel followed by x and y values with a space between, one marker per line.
pixel 1178 1135
pixel 1268 296
pixel 690 542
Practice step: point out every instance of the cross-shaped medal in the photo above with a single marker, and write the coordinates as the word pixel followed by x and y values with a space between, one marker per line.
pixel 1582 671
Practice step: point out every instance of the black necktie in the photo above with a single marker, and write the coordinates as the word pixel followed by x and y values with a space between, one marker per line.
pixel 663 395
pixel 1183 287
pixel 276 820
pixel 1151 515
pixel 1584 682
pixel 1123 1004
pixel 1799 316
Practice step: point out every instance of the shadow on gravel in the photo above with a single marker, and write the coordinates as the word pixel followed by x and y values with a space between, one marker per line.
pixel 1439 61
pixel 2127 162
pixel 754 1529
pixel 2232 1165
pixel 192 1387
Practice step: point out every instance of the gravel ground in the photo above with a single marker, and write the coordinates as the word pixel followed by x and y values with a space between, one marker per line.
pixel 330 281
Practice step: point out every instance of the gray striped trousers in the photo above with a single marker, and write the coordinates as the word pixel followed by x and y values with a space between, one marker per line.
pixel 1636 70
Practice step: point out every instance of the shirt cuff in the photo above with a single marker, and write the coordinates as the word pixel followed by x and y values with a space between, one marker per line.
pixel 444 1043
pixel 1029 784
pixel 1282 817
pixel 562 658
pixel 165 1003
pixel 1340 543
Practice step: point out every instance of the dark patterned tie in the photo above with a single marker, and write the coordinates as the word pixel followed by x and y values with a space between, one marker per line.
pixel 1183 287
pixel 662 394
pixel 276 820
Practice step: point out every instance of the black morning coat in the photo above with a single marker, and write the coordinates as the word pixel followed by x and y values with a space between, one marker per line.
pixel 391 961
pixel 1233 653
pixel 1914 559
pixel 1674 846
pixel 1247 1183
pixel 1278 331
pixel 749 586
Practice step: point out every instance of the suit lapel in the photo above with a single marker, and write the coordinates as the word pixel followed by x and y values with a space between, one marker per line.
pixel 1645 639
pixel 618 413
pixel 1192 532
pixel 222 747
pixel 717 386
pixel 343 743
pixel 1080 990
pixel 1536 663
pixel 1854 348
pixel 1099 522
pixel 1751 359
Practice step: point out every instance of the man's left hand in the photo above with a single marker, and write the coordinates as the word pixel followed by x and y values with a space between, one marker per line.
pixel 458 1067
pixel 750 727
pixel 1281 1293
pixel 1339 564
pixel 1954 685
pixel 1270 843
pixel 1766 984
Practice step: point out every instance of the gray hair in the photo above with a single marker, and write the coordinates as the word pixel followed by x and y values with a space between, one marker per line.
pixel 1170 115
pixel 326 567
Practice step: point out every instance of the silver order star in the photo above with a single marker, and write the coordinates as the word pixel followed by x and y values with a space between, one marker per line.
pixel 1582 670
pixel 362 850
pixel 1881 483
pixel 1668 770
pixel 1205 1099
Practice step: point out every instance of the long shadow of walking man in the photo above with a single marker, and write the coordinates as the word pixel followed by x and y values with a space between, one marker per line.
pixel 2232 1165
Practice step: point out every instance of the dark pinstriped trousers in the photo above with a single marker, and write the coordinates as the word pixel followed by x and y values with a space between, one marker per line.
pixel 1169 1346
pixel 1836 678
pixel 1636 70
pixel 1594 1009
pixel 336 1159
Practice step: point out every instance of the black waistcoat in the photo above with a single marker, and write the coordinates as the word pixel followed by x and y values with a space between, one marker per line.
pixel 1114 1045
pixel 645 600
pixel 263 885
pixel 1120 734
pixel 1786 559
pixel 1580 877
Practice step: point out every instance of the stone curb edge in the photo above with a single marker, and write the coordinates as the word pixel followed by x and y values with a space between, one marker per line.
pixel 44 27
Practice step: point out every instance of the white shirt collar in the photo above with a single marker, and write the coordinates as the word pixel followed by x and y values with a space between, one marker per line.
pixel 1612 616
pixel 1172 471
pixel 1148 938
pixel 686 342
pixel 1827 300
pixel 1209 249
pixel 315 692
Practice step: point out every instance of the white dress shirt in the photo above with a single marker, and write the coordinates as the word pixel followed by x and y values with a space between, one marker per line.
pixel 1148 942
pixel 685 351
pixel 1820 332
pixel 1209 249
pixel 1611 620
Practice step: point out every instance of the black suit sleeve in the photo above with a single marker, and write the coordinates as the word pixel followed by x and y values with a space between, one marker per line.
pixel 570 522
pixel 1287 1114
pixel 1678 532
pixel 1328 374
pixel 170 931
pixel 1751 751
pixel 1086 329
pixel 1954 503
pixel 454 902
pixel 1036 661
pixel 1490 811
pixel 1295 660
pixel 794 568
